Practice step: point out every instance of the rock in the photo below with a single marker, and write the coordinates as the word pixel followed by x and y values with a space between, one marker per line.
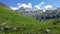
pixel 14 28
pixel 48 30
pixel 6 28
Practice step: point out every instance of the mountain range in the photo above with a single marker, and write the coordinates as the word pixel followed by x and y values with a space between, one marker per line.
pixel 39 13
pixel 12 22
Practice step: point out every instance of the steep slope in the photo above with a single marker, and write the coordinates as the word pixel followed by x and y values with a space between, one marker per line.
pixel 12 23
pixel 11 19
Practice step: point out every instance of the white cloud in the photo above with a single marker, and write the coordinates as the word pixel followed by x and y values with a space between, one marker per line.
pixel 37 7
pixel 29 5
pixel 48 7
pixel 44 10
pixel 23 5
pixel 14 8
pixel 42 3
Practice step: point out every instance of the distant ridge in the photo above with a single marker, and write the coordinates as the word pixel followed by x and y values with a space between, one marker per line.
pixel 5 6
pixel 2 4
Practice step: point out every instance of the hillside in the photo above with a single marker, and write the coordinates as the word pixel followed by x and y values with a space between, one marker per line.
pixel 12 23
pixel 40 14
pixel 12 19
pixel 49 14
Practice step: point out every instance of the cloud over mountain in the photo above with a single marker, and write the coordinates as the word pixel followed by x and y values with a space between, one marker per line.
pixel 29 5
pixel 48 7
pixel 14 8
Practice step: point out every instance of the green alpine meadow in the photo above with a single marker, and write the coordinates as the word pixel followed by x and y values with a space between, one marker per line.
pixel 21 21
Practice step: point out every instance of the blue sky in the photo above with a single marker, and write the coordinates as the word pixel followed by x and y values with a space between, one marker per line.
pixel 34 3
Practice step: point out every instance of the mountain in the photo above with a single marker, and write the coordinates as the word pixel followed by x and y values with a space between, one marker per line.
pixel 39 14
pixel 49 14
pixel 14 23
pixel 31 12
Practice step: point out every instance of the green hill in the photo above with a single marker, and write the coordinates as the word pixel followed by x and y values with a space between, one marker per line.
pixel 13 23
pixel 11 19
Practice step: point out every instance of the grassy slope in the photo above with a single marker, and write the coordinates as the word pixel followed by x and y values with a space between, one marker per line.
pixel 24 24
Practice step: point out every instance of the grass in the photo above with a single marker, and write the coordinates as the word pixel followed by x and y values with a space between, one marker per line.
pixel 23 24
